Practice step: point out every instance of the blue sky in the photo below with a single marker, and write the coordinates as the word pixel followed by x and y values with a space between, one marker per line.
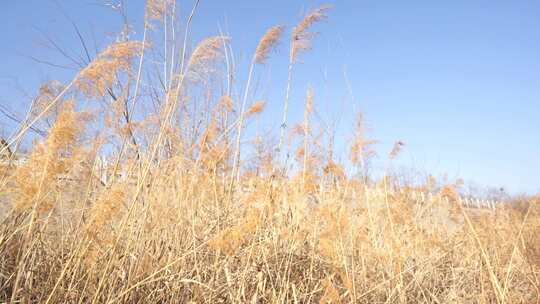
pixel 458 81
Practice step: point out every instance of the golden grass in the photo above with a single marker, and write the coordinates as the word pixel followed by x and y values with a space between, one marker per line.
pixel 268 43
pixel 176 215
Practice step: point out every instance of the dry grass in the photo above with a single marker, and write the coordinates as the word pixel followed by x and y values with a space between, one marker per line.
pixel 176 215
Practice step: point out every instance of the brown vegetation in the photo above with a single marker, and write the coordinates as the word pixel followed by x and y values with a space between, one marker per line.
pixel 124 204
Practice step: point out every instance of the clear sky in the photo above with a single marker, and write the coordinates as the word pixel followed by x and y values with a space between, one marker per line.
pixel 458 81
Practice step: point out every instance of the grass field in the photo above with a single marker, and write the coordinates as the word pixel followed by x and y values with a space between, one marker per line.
pixel 155 191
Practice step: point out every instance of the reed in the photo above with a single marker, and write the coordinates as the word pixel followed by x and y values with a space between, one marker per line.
pixel 207 211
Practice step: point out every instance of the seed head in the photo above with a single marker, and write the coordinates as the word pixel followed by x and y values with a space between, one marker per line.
pixel 398 145
pixel 256 108
pixel 268 43
pixel 301 36
pixel 101 73
pixel 155 9
pixel 205 53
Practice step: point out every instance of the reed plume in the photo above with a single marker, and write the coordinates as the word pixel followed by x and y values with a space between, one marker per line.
pixel 300 41
pixel 42 104
pixel 360 148
pixel 301 36
pixel 256 108
pixel 206 52
pixel 396 149
pixel 268 43
pixel 156 9
pixel 107 207
pixel 226 103
pixel 100 75
pixel 36 180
